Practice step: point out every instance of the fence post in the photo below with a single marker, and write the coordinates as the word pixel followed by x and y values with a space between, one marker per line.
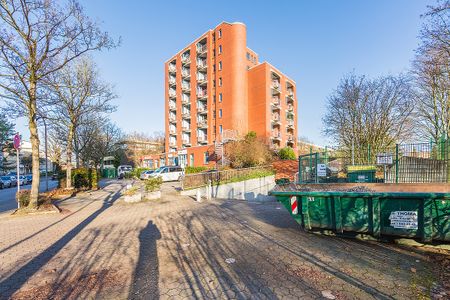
pixel 310 162
pixel 317 161
pixel 396 163
pixel 300 177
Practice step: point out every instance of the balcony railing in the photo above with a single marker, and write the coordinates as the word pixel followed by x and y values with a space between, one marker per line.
pixel 186 142
pixel 290 93
pixel 185 87
pixel 186 73
pixel 290 123
pixel 202 139
pixel 202 124
pixel 290 138
pixel 186 115
pixel 290 108
pixel 173 143
pixel 172 93
pixel 185 59
pixel 185 100
pixel 201 94
pixel 172 106
pixel 186 128
pixel 201 48
pixel 172 68
pixel 173 131
pixel 275 84
pixel 172 81
pixel 276 136
pixel 201 79
pixel 172 118
pixel 202 109
pixel 201 64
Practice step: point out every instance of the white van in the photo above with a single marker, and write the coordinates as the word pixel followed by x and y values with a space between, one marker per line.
pixel 168 173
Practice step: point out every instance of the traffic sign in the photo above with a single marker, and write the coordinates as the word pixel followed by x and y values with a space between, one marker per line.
pixel 17 141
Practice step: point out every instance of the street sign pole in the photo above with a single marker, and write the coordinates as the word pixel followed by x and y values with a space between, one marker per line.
pixel 17 147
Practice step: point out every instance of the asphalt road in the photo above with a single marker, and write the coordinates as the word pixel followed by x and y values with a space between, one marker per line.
pixel 7 195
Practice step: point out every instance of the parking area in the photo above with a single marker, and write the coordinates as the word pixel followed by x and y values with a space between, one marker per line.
pixel 8 194
pixel 101 247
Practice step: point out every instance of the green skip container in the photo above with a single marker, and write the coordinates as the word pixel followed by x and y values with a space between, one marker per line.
pixel 423 216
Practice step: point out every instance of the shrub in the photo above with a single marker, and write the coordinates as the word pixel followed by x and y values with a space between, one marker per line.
pixel 287 153
pixel 249 152
pixel 153 184
pixel 137 172
pixel 23 198
pixel 192 170
pixel 85 178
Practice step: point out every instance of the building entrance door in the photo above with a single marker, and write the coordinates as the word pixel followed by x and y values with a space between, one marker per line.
pixel 182 159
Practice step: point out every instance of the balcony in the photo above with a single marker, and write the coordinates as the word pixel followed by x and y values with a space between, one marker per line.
pixel 172 81
pixel 186 128
pixel 173 119
pixel 201 79
pixel 173 131
pixel 201 64
pixel 201 49
pixel 290 138
pixel 172 106
pixel 173 143
pixel 276 119
pixel 187 142
pixel 186 115
pixel 201 94
pixel 185 59
pixel 290 93
pixel 276 86
pixel 290 123
pixel 172 93
pixel 172 68
pixel 202 124
pixel 202 139
pixel 276 136
pixel 202 110
pixel 276 103
pixel 186 73
pixel 186 87
pixel 290 108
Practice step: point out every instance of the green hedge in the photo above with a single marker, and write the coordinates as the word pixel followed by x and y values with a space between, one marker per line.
pixel 137 172
pixel 287 153
pixel 192 170
pixel 82 178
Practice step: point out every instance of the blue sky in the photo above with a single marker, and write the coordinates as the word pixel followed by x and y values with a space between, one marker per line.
pixel 313 42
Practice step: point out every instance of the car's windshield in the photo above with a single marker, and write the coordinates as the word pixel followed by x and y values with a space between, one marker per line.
pixel 158 170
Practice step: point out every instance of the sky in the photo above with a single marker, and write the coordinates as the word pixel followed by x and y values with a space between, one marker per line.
pixel 314 42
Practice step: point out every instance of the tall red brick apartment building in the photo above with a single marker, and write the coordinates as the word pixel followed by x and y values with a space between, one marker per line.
pixel 217 84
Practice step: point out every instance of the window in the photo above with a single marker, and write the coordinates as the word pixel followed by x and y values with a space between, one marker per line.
pixel 191 159
pixel 214 99
pixel 214 83
pixel 220 81
pixel 220 49
pixel 220 129
pixel 219 33
pixel 248 56
pixel 206 158
pixel 220 113
pixel 214 68
pixel 220 97
pixel 220 65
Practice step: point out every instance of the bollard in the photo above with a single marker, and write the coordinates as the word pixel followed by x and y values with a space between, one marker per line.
pixel 199 196
pixel 209 190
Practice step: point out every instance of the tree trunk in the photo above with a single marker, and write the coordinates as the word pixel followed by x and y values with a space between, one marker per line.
pixel 76 150
pixel 69 158
pixel 34 139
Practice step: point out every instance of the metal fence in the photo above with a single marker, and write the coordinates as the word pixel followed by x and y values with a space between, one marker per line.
pixel 191 181
pixel 403 163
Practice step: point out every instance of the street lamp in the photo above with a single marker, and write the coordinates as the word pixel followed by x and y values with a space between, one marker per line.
pixel 43 117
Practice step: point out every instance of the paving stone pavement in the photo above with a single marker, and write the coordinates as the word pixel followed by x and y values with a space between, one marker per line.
pixel 175 248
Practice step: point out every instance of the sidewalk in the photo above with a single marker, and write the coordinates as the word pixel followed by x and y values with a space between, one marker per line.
pixel 177 248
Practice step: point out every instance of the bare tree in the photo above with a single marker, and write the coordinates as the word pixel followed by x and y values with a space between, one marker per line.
pixel 37 39
pixel 363 112
pixel 138 144
pixel 100 139
pixel 431 70
pixel 78 93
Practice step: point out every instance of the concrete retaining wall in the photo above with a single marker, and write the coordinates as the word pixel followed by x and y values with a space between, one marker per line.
pixel 252 190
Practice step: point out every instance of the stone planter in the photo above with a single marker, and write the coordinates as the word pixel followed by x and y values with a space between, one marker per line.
pixel 133 198
pixel 152 195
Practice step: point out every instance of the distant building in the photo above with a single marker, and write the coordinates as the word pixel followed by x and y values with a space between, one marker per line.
pixel 216 85
pixel 9 160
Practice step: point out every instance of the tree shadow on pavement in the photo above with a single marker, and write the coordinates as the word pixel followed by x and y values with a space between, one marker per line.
pixel 13 282
pixel 360 264
pixel 146 275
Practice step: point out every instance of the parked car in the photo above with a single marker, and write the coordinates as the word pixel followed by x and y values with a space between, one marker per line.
pixel 5 182
pixel 146 174
pixel 168 173
pixel 13 180
pixel 29 178
pixel 22 180
pixel 123 170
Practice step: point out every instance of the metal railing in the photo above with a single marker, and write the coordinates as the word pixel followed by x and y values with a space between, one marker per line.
pixel 427 162
pixel 191 181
